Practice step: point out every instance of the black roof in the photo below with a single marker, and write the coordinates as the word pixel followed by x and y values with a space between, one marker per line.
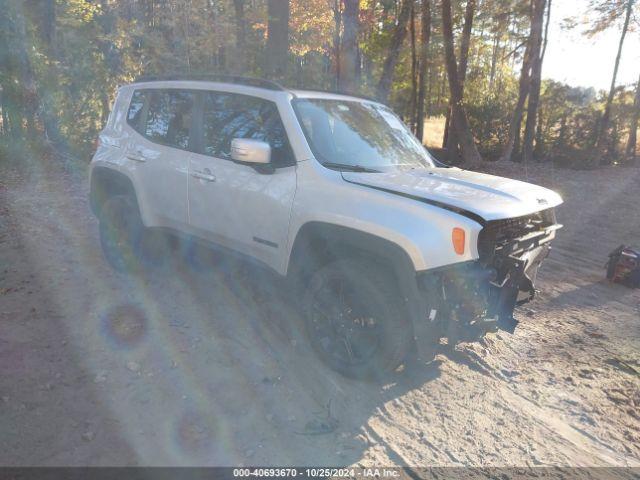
pixel 238 80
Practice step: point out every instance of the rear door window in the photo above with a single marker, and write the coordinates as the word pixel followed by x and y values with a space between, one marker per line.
pixel 228 115
pixel 169 117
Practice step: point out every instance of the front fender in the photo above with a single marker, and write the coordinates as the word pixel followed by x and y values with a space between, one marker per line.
pixel 422 231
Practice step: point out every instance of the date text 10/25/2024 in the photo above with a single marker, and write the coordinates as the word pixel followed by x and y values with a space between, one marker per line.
pixel 319 472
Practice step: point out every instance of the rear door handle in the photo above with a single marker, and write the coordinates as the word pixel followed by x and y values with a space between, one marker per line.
pixel 136 157
pixel 204 175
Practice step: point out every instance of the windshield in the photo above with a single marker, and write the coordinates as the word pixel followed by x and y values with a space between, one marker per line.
pixel 361 135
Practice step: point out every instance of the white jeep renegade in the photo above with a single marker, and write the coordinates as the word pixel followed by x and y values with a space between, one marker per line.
pixel 389 249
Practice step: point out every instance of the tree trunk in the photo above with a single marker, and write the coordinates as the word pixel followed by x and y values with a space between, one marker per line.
pixel 425 36
pixel 494 60
pixel 337 19
pixel 561 140
pixel 538 150
pixel 241 38
pixel 349 54
pixel 5 118
pixel 447 124
pixel 546 32
pixel 523 84
pixel 466 41
pixel 11 115
pixel 630 150
pixel 399 34
pixel 49 114
pixel 470 154
pixel 534 89
pixel 604 121
pixel 452 139
pixel 29 98
pixel 516 156
pixel 277 39
pixel 413 98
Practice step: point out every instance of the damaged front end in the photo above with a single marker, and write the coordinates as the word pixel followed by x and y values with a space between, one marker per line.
pixel 466 300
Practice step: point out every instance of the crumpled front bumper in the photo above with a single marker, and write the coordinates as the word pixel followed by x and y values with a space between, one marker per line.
pixel 514 285
pixel 480 296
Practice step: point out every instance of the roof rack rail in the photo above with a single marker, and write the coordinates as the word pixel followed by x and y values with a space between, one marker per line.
pixel 350 94
pixel 343 92
pixel 209 77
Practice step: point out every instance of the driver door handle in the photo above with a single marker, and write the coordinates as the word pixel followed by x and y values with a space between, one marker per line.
pixel 205 175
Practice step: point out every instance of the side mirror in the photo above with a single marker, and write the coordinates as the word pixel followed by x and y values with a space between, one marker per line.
pixel 246 150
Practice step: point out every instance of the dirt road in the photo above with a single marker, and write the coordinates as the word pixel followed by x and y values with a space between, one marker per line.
pixel 205 366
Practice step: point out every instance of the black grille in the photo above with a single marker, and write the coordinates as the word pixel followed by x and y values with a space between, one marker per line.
pixel 498 235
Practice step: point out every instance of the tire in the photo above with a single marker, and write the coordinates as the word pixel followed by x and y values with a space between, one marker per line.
pixel 355 319
pixel 121 231
pixel 199 257
pixel 155 248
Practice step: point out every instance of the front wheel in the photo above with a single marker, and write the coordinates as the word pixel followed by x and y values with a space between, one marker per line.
pixel 355 319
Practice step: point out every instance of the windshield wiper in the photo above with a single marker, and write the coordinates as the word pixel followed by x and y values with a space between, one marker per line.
pixel 351 168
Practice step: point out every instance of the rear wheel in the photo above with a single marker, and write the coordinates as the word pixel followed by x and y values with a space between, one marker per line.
pixel 120 233
pixel 355 319
pixel 155 248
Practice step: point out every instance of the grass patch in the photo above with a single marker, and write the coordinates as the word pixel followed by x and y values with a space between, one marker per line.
pixel 433 131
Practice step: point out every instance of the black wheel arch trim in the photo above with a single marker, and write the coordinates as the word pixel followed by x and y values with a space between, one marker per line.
pixel 118 183
pixel 331 242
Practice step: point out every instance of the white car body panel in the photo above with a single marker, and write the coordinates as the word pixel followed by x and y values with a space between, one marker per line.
pixel 422 231
pixel 161 175
pixel 242 209
pixel 243 204
pixel 488 196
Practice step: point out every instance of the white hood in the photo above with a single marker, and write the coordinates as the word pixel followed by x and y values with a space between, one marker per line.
pixel 488 196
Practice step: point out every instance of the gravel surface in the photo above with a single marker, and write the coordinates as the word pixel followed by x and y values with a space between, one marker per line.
pixel 206 365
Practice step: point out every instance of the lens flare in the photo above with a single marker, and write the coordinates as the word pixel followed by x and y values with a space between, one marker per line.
pixel 125 326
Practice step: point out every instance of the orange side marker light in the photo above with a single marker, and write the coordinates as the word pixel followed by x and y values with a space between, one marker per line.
pixel 458 240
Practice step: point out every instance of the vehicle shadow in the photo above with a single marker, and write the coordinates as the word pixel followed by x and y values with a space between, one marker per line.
pixel 253 391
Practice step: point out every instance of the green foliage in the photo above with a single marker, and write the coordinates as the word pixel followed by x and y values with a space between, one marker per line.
pixel 61 62
pixel 608 13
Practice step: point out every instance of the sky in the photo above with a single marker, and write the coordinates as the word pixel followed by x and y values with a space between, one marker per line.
pixel 588 62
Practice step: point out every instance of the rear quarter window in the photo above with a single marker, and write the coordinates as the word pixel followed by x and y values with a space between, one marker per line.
pixel 136 106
